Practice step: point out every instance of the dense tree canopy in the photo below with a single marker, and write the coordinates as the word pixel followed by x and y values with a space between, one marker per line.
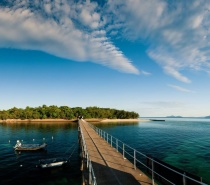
pixel 65 112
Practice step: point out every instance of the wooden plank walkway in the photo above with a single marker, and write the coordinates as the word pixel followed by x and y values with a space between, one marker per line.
pixel 109 166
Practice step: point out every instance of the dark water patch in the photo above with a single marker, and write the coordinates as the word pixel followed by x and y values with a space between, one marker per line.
pixel 21 167
pixel 184 161
pixel 207 157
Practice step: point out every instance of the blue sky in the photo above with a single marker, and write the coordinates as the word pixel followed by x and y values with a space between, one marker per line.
pixel 150 56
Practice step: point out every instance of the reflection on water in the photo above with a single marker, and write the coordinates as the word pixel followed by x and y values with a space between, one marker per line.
pixel 184 143
pixel 180 142
pixel 38 126
pixel 114 124
pixel 21 167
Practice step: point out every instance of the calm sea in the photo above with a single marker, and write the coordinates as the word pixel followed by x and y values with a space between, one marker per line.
pixel 181 142
pixel 20 168
pixel 184 143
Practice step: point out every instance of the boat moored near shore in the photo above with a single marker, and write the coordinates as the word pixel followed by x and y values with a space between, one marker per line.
pixel 28 147
pixel 157 120
pixel 52 163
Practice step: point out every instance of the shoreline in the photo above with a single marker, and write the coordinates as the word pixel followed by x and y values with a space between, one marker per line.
pixel 123 120
pixel 35 120
pixel 73 120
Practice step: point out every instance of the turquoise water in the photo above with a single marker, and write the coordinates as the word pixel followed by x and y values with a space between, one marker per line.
pixel 184 143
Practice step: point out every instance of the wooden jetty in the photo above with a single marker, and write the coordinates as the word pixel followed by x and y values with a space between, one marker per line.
pixel 104 162
pixel 109 165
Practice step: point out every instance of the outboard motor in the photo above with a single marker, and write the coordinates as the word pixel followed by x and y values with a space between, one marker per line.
pixel 18 144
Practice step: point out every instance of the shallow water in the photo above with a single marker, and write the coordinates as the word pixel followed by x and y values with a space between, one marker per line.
pixel 184 143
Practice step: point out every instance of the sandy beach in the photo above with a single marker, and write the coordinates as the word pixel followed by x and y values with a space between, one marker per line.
pixel 73 120
pixel 115 120
pixel 123 120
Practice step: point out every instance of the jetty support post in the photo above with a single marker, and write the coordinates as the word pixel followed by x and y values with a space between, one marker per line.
pixel 123 151
pixel 184 179
pixel 117 144
pixel 153 182
pixel 134 159
pixel 90 176
pixel 111 140
pixel 107 137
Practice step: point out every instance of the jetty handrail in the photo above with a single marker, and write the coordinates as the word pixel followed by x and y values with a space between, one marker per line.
pixel 114 142
pixel 92 178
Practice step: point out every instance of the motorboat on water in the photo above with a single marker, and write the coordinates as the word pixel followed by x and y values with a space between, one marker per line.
pixel 56 162
pixel 53 162
pixel 28 147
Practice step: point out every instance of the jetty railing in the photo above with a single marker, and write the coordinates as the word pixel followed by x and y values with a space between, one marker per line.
pixel 158 170
pixel 91 175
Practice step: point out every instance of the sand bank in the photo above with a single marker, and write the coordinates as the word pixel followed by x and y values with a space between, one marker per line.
pixel 73 120
pixel 115 120
pixel 123 120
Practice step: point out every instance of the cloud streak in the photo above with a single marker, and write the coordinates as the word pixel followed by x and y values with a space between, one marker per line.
pixel 62 28
pixel 177 32
pixel 178 88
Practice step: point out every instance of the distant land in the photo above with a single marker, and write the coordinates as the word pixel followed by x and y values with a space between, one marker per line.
pixel 186 117
pixel 204 117
pixel 174 117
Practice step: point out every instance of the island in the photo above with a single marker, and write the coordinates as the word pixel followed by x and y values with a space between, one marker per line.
pixel 66 114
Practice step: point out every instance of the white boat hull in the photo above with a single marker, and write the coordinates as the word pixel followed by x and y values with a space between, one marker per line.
pixel 50 163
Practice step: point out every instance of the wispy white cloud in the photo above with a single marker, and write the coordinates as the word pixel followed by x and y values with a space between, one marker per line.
pixel 181 88
pixel 137 18
pixel 170 64
pixel 177 32
pixel 145 73
pixel 62 28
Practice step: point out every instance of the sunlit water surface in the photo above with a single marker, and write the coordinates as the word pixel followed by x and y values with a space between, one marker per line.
pixel 184 143
pixel 181 142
